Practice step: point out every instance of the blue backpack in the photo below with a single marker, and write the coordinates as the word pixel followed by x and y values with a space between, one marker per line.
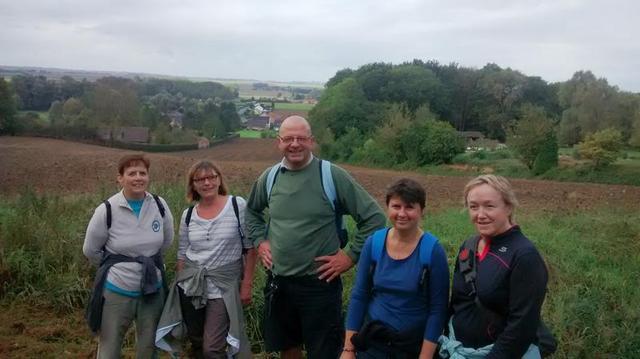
pixel 329 189
pixel 427 242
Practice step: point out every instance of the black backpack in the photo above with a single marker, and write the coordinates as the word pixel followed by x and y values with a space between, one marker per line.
pixel 547 343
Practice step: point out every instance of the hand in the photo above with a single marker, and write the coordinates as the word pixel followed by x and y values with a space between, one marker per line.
pixel 179 265
pixel 245 292
pixel 333 265
pixel 264 252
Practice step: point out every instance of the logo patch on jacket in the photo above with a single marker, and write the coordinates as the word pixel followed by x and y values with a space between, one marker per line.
pixel 155 225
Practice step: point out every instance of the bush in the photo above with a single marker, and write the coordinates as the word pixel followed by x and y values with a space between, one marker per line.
pixel 533 135
pixel 547 157
pixel 601 148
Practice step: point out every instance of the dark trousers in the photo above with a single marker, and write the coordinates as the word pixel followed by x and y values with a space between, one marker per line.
pixel 304 311
pixel 207 327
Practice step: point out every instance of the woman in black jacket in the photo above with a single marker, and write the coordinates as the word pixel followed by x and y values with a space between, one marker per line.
pixel 499 281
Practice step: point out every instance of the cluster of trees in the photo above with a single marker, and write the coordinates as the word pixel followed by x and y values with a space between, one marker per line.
pixel 7 109
pixel 204 108
pixel 533 115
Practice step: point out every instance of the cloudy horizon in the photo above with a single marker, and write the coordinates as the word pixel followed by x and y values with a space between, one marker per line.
pixel 310 41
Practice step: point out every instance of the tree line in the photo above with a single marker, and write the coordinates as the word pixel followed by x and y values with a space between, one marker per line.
pixel 204 108
pixel 363 112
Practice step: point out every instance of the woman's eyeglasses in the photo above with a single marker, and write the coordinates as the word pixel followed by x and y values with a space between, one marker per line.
pixel 201 180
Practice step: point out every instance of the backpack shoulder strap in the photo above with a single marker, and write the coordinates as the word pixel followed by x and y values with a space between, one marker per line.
pixel 236 211
pixel 187 219
pixel 377 244
pixel 271 178
pixel 329 189
pixel 426 248
pixel 427 242
pixel 466 261
pixel 159 203
pixel 328 185
pixel 107 205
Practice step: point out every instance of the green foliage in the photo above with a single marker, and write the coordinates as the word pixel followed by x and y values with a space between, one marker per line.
pixel 342 107
pixel 8 124
pixel 344 147
pixel 268 134
pixel 590 104
pixel 55 114
pixel 547 158
pixel 151 117
pixel 533 139
pixel 190 89
pixel 406 139
pixel 601 148
pixel 440 142
pixel 482 156
pixel 119 102
pixel 634 139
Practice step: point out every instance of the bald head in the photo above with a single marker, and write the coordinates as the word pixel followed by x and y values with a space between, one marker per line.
pixel 295 122
pixel 295 142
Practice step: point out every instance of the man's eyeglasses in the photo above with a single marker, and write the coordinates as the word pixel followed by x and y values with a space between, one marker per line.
pixel 290 139
pixel 201 180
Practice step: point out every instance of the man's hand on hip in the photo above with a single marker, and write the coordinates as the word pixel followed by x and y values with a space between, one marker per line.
pixel 333 265
pixel 264 251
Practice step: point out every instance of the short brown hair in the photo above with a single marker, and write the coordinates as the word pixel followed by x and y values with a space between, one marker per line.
pixel 408 190
pixel 500 184
pixel 132 160
pixel 204 165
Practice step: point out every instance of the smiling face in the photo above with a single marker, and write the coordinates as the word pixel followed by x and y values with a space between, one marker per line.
pixel 134 180
pixel 488 211
pixel 206 183
pixel 295 141
pixel 404 216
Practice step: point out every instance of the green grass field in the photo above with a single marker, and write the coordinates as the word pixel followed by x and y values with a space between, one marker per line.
pixel 249 134
pixel 626 170
pixel 293 106
pixel 592 303
pixel 43 116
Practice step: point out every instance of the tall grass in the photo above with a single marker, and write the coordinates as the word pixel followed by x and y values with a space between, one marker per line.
pixel 593 258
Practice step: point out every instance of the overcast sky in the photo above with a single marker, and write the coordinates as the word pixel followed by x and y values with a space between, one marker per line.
pixel 309 40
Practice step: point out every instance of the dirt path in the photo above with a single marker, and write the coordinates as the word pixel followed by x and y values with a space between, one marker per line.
pixel 55 166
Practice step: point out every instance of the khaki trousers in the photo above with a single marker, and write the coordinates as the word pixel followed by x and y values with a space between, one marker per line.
pixel 118 313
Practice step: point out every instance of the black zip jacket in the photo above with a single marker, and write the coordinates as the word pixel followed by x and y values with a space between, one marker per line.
pixel 511 280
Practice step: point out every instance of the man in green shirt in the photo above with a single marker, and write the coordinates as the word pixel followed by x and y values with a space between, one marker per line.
pixel 301 247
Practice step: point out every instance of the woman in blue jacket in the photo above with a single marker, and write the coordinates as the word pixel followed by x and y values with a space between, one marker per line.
pixel 399 301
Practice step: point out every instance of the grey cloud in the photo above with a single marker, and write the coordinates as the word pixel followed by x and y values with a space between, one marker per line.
pixel 311 40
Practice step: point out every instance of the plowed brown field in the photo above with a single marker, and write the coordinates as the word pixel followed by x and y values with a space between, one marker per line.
pixel 55 166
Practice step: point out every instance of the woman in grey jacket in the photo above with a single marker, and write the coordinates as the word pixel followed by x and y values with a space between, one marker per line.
pixel 126 238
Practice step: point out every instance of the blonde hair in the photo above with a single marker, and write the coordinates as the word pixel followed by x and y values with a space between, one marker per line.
pixel 500 184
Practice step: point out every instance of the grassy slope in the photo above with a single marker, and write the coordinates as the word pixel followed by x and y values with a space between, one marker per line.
pixel 591 306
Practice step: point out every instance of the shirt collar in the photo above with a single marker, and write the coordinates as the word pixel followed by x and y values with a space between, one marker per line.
pixel 284 163
pixel 122 200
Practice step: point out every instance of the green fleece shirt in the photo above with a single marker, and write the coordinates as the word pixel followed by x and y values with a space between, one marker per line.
pixel 302 221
